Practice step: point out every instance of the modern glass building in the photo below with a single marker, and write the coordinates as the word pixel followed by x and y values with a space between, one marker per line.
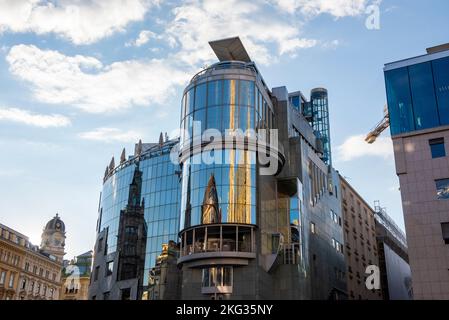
pixel 249 209
pixel 418 104
pixel 138 215
pixel 244 234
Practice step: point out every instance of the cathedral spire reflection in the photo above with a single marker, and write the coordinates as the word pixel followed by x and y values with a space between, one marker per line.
pixel 210 210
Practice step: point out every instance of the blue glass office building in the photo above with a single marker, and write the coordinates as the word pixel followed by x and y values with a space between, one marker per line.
pixel 145 189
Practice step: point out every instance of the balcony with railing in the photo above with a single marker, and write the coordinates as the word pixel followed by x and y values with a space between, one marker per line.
pixel 216 241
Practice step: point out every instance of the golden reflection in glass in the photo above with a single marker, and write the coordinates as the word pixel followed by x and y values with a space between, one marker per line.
pixel 239 208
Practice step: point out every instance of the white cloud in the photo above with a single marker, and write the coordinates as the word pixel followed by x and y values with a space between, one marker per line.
pixel 311 8
pixel 81 22
pixel 292 45
pixel 144 37
pixel 197 22
pixel 355 147
pixel 11 173
pixel 111 135
pixel 33 119
pixel 86 83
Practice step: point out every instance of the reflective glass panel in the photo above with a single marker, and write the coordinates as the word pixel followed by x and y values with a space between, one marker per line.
pixel 399 101
pixel 441 78
pixel 423 96
pixel 230 92
pixel 442 189
pixel 200 96
pixel 215 93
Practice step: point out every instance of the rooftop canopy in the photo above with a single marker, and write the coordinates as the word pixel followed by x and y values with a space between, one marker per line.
pixel 230 49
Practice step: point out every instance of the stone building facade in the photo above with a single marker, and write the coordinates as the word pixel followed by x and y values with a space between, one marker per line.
pixel 360 242
pixel 76 277
pixel 28 272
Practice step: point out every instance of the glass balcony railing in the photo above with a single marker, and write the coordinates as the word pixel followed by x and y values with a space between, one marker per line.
pixel 217 238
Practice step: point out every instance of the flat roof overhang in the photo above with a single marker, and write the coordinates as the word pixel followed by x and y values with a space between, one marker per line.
pixel 230 49
pixel 436 54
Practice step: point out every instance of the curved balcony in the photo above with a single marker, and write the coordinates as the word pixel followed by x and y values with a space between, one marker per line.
pixel 224 244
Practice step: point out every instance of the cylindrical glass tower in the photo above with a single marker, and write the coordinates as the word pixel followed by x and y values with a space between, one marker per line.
pixel 320 121
pixel 219 196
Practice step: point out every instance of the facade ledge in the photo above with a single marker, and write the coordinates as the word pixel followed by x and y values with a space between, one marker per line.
pixel 219 255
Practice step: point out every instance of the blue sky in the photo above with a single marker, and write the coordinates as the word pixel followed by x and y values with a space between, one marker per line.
pixel 80 80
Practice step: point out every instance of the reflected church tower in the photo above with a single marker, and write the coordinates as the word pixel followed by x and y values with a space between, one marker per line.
pixel 132 234
pixel 210 210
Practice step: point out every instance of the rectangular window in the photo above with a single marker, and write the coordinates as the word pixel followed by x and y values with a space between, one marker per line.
pixel 11 280
pixel 100 245
pixel 2 277
pixel 109 268
pixel 312 228
pixel 437 148
pixel 334 216
pixel 337 246
pixel 97 271
pixel 445 230
pixel 131 231
pixel 442 189
pixel 27 266
pixel 217 277
pixel 126 294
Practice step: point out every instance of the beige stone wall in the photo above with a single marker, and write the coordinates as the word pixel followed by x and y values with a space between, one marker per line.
pixel 423 212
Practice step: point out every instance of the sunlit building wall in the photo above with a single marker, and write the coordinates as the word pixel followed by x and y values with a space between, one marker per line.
pixel 418 104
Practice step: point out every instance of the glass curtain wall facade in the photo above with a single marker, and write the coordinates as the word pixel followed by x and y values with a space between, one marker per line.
pixel 158 196
pixel 418 96
pixel 228 184
pixel 224 105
